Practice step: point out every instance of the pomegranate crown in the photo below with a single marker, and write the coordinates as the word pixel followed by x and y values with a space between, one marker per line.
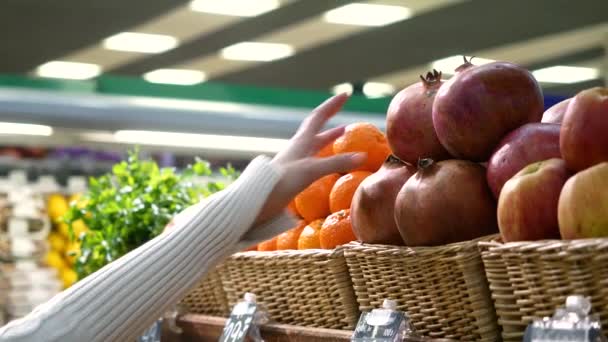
pixel 431 78
pixel 467 63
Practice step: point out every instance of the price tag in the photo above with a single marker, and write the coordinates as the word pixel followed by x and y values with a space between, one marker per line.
pixel 238 324
pixel 371 329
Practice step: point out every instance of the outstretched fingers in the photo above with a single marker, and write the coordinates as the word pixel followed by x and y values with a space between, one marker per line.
pixel 320 115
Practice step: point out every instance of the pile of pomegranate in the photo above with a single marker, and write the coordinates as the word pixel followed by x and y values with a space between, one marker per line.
pixel 476 155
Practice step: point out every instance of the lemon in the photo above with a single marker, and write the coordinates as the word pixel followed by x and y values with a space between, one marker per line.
pixel 78 200
pixel 64 229
pixel 79 228
pixel 73 252
pixel 57 242
pixel 68 277
pixel 56 206
pixel 55 260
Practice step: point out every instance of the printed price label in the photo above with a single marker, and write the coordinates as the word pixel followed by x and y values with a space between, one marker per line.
pixel 371 330
pixel 238 324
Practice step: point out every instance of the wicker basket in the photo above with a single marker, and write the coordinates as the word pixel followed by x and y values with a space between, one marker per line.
pixel 309 288
pixel 208 297
pixel 529 280
pixel 443 289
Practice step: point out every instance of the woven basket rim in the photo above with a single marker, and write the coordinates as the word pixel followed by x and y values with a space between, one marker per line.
pixel 542 245
pixel 290 253
pixel 448 248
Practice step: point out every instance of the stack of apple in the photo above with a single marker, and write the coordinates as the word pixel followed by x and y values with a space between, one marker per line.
pixel 476 154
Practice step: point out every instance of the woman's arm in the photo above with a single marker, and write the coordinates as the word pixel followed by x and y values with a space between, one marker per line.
pixel 121 300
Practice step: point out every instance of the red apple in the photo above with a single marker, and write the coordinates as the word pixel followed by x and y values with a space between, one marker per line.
pixel 583 204
pixel 555 113
pixel 529 143
pixel 372 208
pixel 527 207
pixel 584 134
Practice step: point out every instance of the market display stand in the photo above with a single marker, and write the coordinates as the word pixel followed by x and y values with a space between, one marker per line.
pixel 202 328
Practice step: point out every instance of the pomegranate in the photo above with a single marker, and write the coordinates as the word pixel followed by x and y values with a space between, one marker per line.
pixel 445 202
pixel 409 121
pixel 372 208
pixel 477 107
pixel 555 113
pixel 529 143
pixel 584 133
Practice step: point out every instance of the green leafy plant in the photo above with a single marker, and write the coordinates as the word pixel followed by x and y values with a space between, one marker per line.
pixel 132 204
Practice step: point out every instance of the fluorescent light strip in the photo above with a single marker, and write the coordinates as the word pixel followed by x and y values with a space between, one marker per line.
pixel 11 128
pixel 256 51
pixel 239 8
pixel 362 14
pixel 175 76
pixel 140 42
pixel 68 70
pixel 203 141
pixel 565 74
pixel 342 88
pixel 378 89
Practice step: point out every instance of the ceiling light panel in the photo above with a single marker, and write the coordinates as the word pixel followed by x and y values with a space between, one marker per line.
pixel 239 8
pixel 175 76
pixel 68 70
pixel 565 74
pixel 367 14
pixel 378 89
pixel 257 51
pixel 140 42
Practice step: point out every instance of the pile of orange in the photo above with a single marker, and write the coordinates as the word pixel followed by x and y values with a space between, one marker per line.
pixel 324 207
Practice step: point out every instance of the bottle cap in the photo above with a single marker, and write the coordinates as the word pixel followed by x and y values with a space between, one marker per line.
pixel 250 297
pixel 389 304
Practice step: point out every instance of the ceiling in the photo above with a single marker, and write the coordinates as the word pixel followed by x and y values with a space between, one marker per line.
pixel 536 34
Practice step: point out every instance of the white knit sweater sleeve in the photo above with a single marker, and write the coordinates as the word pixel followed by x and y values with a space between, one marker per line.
pixel 118 302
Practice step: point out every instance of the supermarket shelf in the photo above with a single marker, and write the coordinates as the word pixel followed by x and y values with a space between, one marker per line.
pixel 202 328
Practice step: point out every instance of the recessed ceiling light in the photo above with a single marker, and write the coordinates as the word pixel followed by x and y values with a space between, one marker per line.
pixel 204 141
pixel 253 51
pixel 378 89
pixel 342 88
pixel 240 8
pixel 175 76
pixel 367 14
pixel 24 129
pixel 140 42
pixel 69 70
pixel 448 65
pixel 565 74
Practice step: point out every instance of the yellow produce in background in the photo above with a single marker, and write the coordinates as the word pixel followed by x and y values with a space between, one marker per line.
pixel 57 242
pixel 72 252
pixel 63 229
pixel 55 259
pixel 56 206
pixel 79 228
pixel 68 277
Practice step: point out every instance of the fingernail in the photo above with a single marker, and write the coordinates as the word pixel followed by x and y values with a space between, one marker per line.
pixel 359 156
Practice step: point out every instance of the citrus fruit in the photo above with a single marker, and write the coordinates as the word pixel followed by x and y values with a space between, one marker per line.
pixel 54 260
pixel 252 248
pixel 292 207
pixel 313 202
pixel 309 238
pixel 289 239
pixel 326 151
pixel 268 245
pixel 64 229
pixel 57 242
pixel 364 137
pixel 336 230
pixel 79 227
pixel 56 206
pixel 72 252
pixel 342 193
pixel 68 277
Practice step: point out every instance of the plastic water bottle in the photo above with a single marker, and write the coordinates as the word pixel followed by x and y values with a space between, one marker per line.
pixel 384 324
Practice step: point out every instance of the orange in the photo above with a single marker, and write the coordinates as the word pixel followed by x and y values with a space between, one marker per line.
pixel 309 238
pixel 326 151
pixel 364 137
pixel 313 202
pixel 291 207
pixel 268 245
pixel 336 230
pixel 342 193
pixel 289 239
pixel 252 248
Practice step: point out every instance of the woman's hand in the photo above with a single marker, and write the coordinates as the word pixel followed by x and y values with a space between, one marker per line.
pixel 298 163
